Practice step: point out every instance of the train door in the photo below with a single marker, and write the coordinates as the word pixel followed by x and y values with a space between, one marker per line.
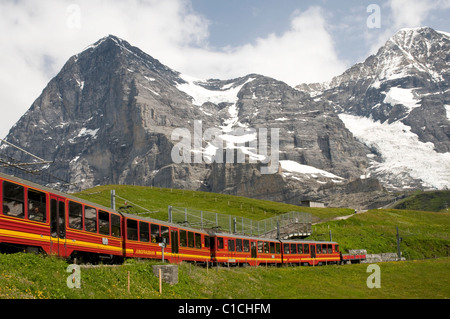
pixel 253 249
pixel 231 251
pixel 313 251
pixel 253 255
pixel 57 226
pixel 175 245
pixel 212 248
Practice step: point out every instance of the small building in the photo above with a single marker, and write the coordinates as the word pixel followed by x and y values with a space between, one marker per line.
pixel 310 203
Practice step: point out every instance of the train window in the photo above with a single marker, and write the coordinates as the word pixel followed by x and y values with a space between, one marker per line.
pixel 103 222
pixel 90 219
pixel 207 241
pixel 300 248
pixel 278 248
pixel 190 239
pixel 132 229
pixel 293 248
pixel 115 225
pixel 272 248
pixel 165 234
pixel 266 247
pixel 246 245
pixel 306 249
pixel 260 246
pixel 183 241
pixel 144 232
pixel 286 249
pixel 230 244
pixel 330 249
pixel 37 206
pixel 198 240
pixel 336 248
pixel 239 245
pixel 75 215
pixel 324 248
pixel 13 200
pixel 319 248
pixel 219 243
pixel 154 229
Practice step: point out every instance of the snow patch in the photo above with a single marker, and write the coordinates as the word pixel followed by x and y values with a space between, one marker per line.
pixel 294 167
pixel 201 95
pixel 403 154
pixel 84 131
pixel 401 96
pixel 444 33
pixel 447 109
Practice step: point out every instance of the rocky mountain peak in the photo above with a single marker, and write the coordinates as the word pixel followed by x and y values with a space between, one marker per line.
pixel 402 89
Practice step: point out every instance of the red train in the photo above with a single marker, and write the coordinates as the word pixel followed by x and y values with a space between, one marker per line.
pixel 36 218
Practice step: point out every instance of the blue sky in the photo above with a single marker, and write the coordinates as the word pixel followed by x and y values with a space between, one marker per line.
pixel 238 22
pixel 293 41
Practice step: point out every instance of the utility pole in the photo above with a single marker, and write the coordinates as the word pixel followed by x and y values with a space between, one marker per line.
pixel 399 239
pixel 170 214
pixel 278 229
pixel 113 199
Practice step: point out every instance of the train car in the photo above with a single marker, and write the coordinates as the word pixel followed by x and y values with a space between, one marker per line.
pixel 304 252
pixel 24 216
pixel 92 231
pixel 37 218
pixel 353 258
pixel 146 238
pixel 232 249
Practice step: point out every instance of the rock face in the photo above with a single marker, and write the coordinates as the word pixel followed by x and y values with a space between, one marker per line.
pixel 110 115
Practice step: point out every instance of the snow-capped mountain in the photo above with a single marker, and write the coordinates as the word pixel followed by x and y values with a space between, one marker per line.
pixel 397 103
pixel 110 115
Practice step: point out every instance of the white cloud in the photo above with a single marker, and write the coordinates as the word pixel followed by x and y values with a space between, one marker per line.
pixel 305 53
pixel 38 37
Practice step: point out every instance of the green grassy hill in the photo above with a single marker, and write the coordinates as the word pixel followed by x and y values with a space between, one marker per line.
pixel 424 234
pixel 434 201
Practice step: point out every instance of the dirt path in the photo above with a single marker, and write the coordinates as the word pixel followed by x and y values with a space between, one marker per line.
pixel 342 217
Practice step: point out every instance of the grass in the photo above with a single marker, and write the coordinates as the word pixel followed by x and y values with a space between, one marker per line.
pixel 424 234
pixel 435 201
pixel 28 276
